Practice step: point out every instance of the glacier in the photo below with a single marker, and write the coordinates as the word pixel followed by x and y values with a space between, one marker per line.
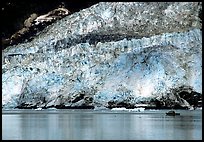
pixel 109 55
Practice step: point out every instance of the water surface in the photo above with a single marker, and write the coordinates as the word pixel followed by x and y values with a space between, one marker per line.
pixel 100 125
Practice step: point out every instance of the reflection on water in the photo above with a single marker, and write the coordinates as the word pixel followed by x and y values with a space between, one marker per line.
pixel 101 125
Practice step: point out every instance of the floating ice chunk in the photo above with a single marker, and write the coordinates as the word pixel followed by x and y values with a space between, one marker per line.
pixel 139 109
pixel 121 108
pixel 100 108
pixel 38 108
pixel 199 108
pixel 153 110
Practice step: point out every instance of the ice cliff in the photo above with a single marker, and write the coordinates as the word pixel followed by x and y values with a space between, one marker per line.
pixel 110 55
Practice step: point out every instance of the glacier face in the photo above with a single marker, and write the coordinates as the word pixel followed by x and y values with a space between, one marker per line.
pixel 96 58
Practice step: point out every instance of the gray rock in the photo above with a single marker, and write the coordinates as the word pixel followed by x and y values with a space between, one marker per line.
pixel 123 53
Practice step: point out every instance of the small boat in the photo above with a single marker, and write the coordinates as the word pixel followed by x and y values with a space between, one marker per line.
pixel 172 113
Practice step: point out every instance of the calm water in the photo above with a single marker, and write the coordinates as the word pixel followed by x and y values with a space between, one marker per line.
pixel 101 125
